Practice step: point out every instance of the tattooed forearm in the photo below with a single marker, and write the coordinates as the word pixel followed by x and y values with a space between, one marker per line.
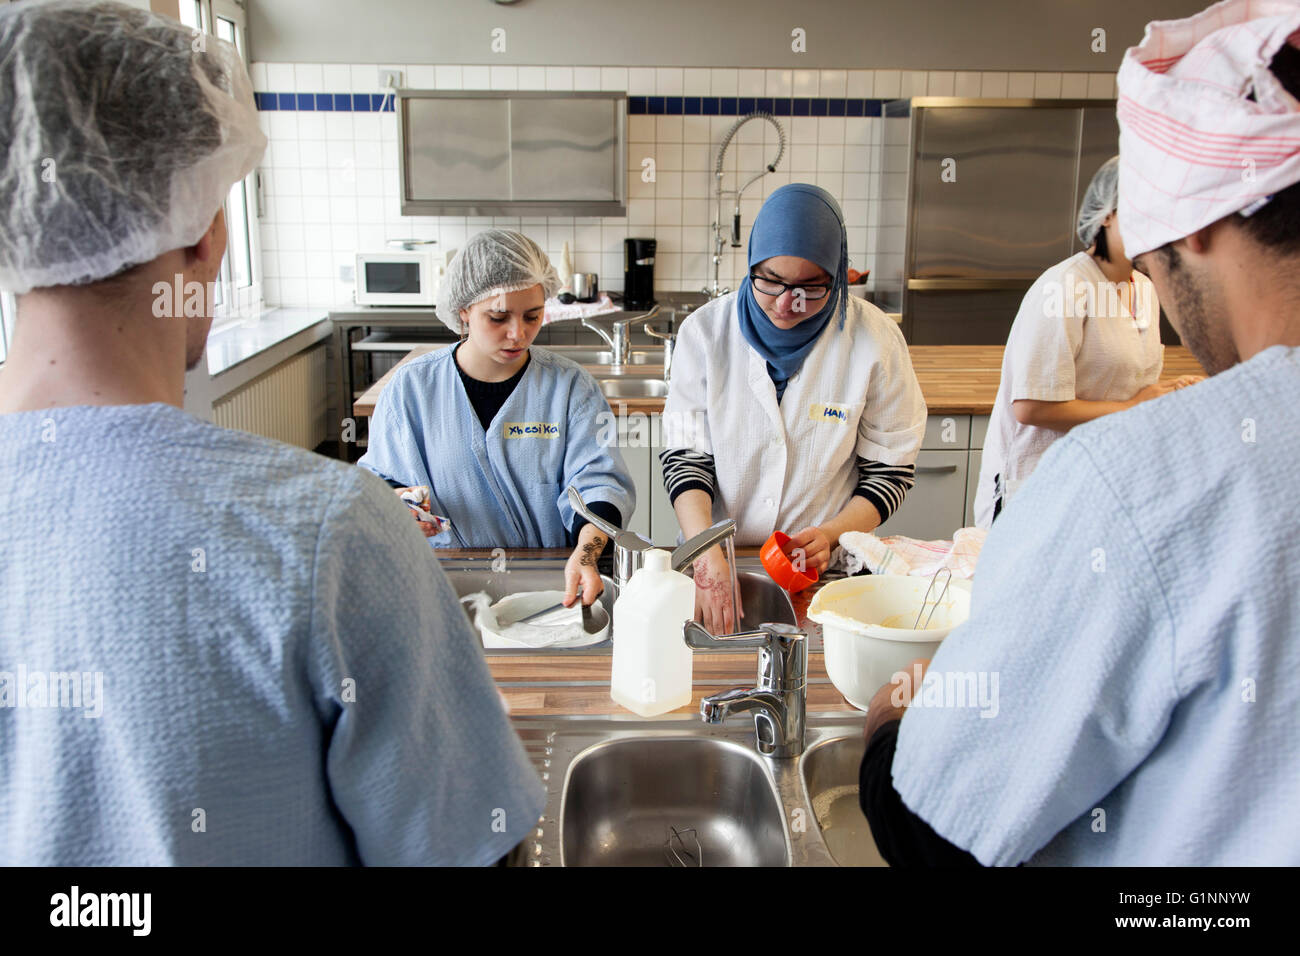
pixel 591 551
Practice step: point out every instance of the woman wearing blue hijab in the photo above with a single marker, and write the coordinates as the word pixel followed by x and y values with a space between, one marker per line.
pixel 793 406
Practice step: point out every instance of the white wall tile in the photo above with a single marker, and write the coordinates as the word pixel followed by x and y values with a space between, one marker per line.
pixel 749 83
pixel 448 77
pixel 641 81
pixel 586 78
pixel 559 78
pixel 311 125
pixel 779 83
pixel 915 83
pixel 641 128
pixel 336 77
pixel 668 185
pixel 993 85
pixel 833 83
pixel 695 81
pixel 614 79
pixel 476 78
pixel 668 154
pixel 806 83
pixel 695 129
pixel 532 77
pixel 940 83
pixel 1047 86
pixel 859 85
pixel 967 83
pixel 280 78
pixel 830 130
pixel 257 73
pixel 365 78
pixel 504 77
pixel 1020 86
pixel 888 84
pixel 421 76
pixel 724 82
pixel 1074 86
pixel 1101 86
pixel 668 81
pixel 668 129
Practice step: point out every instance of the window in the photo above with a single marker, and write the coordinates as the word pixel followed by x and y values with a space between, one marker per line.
pixel 8 310
pixel 239 286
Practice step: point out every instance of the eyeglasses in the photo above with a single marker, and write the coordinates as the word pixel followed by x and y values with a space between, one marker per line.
pixel 811 293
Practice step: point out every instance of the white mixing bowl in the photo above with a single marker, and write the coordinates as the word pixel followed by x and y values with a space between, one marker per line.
pixel 867 630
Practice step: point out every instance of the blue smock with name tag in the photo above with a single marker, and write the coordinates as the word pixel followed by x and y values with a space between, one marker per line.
pixel 506 486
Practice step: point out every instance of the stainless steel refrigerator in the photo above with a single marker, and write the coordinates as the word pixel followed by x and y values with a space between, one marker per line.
pixel 978 198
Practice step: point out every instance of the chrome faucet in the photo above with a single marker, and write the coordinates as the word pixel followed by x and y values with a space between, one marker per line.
pixel 617 337
pixel 630 547
pixel 779 702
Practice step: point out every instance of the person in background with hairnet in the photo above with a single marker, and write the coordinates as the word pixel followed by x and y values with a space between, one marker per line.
pixel 1085 343
pixel 233 685
pixel 497 430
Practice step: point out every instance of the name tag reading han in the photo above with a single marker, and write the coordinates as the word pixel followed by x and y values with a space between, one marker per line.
pixel 531 430
pixel 835 414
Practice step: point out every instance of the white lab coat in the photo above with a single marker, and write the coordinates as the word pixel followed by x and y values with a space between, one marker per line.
pixel 786 467
pixel 1068 342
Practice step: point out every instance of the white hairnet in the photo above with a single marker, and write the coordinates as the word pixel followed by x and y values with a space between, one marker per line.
pixel 123 133
pixel 493 262
pixel 1099 201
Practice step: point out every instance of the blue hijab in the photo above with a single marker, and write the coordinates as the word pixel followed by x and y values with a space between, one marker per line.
pixel 805 221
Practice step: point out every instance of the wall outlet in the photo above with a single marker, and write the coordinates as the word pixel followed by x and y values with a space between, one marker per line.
pixel 385 75
pixel 347 273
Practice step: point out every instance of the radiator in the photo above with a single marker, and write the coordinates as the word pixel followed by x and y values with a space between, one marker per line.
pixel 288 403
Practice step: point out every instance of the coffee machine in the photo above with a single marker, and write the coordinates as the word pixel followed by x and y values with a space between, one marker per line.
pixel 638 274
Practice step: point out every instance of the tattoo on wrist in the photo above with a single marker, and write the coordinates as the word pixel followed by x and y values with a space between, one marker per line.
pixel 591 551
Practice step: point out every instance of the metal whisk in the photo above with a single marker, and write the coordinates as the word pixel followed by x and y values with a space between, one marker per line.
pixel 934 579
pixel 682 848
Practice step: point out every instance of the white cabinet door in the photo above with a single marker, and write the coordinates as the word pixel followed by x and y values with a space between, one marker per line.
pixel 936 507
pixel 972 484
pixel 946 432
pixel 634 445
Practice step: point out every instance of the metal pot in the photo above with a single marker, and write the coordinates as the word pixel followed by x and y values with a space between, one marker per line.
pixel 585 288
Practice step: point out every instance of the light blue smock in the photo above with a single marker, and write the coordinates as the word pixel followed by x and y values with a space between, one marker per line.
pixel 1140 604
pixel 505 487
pixel 287 677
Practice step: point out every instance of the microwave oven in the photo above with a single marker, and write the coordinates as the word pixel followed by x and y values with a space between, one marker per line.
pixel 398 277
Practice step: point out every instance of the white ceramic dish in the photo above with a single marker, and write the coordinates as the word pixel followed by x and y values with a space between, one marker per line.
pixel 548 630
pixel 867 630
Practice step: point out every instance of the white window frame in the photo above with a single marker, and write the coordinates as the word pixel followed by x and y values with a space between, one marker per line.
pixel 240 304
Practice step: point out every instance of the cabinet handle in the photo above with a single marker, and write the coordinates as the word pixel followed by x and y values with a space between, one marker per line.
pixel 937 470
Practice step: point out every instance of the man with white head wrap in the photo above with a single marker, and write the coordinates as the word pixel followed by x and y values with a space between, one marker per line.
pixel 1085 343
pixel 1140 603
pixel 259 695
pixel 499 430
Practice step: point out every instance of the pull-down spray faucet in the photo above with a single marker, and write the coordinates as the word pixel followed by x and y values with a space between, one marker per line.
pixel 718 242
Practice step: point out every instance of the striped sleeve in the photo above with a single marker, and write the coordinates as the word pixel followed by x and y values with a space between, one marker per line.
pixel 883 485
pixel 685 470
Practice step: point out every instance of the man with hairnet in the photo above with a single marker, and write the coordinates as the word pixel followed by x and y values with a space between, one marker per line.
pixel 1126 689
pixel 1085 343
pixel 214 648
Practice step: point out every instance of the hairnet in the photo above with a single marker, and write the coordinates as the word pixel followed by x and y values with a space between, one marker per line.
pixel 123 133
pixel 1099 201
pixel 493 262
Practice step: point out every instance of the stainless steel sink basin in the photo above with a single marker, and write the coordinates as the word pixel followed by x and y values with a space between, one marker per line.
pixel 830 779
pixel 596 356
pixel 671 802
pixel 625 387
pixel 760 597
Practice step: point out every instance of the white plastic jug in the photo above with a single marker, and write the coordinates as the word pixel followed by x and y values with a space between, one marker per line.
pixel 652 664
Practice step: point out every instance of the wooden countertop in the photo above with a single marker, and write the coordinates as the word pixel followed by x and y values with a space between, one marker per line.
pixel 955 379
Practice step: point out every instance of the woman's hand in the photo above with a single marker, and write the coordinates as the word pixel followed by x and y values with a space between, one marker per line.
pixel 816 547
pixel 427 528
pixel 713 593
pixel 1183 381
pixel 581 567
pixel 1149 392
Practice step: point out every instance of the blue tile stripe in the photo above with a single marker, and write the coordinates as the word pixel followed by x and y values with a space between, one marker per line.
pixel 324 102
pixel 636 105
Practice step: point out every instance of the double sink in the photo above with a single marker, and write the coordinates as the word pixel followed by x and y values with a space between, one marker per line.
pixel 675 791
pixel 670 793
pixel 641 375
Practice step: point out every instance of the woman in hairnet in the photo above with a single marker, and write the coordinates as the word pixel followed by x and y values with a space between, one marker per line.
pixel 793 405
pixel 497 430
pixel 1085 343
